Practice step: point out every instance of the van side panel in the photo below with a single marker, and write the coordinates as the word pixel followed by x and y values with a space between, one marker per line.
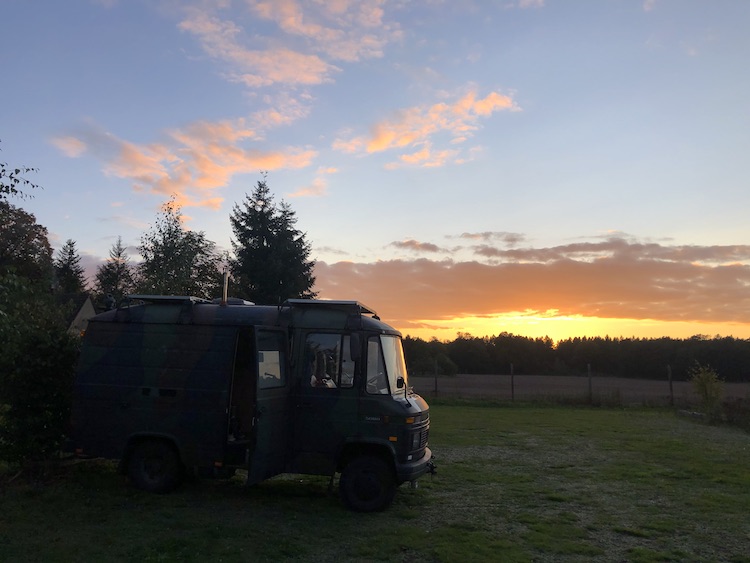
pixel 168 380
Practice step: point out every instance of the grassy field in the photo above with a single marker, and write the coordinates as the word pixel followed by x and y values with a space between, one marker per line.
pixel 514 484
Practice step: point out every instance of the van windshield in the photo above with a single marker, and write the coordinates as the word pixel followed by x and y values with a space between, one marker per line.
pixel 385 365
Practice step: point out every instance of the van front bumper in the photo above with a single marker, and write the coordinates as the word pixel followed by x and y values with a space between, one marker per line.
pixel 413 470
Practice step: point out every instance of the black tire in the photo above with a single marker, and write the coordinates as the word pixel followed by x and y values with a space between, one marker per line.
pixel 154 466
pixel 367 484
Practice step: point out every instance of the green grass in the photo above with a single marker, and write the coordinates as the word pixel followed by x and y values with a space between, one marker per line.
pixel 514 484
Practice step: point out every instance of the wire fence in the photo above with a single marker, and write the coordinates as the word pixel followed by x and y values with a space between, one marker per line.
pixel 592 389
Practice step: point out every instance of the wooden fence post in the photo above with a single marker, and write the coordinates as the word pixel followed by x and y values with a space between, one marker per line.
pixel 512 384
pixel 591 395
pixel 671 389
pixel 436 374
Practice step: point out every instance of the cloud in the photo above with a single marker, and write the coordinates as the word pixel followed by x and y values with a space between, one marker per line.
pixel 417 246
pixel 283 109
pixel 301 51
pixel 312 34
pixel 319 185
pixel 425 157
pixel 610 279
pixel 418 126
pixel 69 146
pixel 343 30
pixel 511 239
pixel 649 5
pixel 192 162
pixel 318 188
pixel 220 39
pixel 523 4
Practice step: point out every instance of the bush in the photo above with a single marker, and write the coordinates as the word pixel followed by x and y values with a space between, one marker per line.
pixel 709 387
pixel 36 375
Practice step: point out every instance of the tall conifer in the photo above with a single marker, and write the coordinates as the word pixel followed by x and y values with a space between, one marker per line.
pixel 272 257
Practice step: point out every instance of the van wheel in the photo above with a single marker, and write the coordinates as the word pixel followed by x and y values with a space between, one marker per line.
pixel 367 484
pixel 155 467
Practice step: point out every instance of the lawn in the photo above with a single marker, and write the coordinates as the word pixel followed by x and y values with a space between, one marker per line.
pixel 514 484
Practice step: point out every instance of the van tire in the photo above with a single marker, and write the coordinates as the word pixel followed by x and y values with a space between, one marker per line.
pixel 367 484
pixel 154 466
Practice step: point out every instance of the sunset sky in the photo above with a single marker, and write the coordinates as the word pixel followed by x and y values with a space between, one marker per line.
pixel 541 167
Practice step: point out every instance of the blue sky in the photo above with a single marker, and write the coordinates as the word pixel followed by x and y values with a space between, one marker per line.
pixel 541 167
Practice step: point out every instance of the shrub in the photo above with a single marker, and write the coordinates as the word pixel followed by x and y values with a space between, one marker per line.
pixel 37 360
pixel 709 387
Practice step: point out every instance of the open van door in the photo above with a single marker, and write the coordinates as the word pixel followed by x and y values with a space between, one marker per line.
pixel 271 406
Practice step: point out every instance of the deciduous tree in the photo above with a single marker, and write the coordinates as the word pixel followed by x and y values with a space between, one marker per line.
pixel 24 247
pixel 177 261
pixel 13 180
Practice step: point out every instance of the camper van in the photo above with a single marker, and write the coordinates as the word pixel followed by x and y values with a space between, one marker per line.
pixel 171 385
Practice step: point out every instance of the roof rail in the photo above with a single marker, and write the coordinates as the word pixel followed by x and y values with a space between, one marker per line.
pixel 165 299
pixel 352 306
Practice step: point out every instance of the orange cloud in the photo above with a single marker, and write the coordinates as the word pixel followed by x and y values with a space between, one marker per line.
pixel 614 279
pixel 194 161
pixel 69 146
pixel 254 68
pixel 425 157
pixel 318 188
pixel 419 126
pixel 342 30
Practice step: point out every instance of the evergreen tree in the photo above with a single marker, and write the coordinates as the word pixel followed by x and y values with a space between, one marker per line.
pixel 115 277
pixel 68 269
pixel 177 261
pixel 272 258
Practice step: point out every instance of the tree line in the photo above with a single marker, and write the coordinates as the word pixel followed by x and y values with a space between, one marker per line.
pixel 270 261
pixel 647 358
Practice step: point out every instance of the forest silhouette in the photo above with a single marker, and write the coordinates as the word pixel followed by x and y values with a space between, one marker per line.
pixel 641 358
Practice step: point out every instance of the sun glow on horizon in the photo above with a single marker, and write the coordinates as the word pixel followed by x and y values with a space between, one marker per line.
pixel 563 327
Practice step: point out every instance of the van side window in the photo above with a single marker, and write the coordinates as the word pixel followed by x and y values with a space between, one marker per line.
pixel 328 363
pixel 377 381
pixel 271 369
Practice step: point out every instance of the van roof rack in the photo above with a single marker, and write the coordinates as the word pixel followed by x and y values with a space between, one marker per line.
pixel 332 304
pixel 165 299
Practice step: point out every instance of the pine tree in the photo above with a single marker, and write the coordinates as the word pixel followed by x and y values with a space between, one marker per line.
pixel 272 258
pixel 177 261
pixel 68 269
pixel 115 277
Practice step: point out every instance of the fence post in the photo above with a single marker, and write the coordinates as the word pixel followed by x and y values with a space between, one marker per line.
pixel 671 389
pixel 512 384
pixel 436 374
pixel 591 395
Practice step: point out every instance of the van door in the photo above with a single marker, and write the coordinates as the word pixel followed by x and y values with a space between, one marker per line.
pixel 271 406
pixel 326 401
